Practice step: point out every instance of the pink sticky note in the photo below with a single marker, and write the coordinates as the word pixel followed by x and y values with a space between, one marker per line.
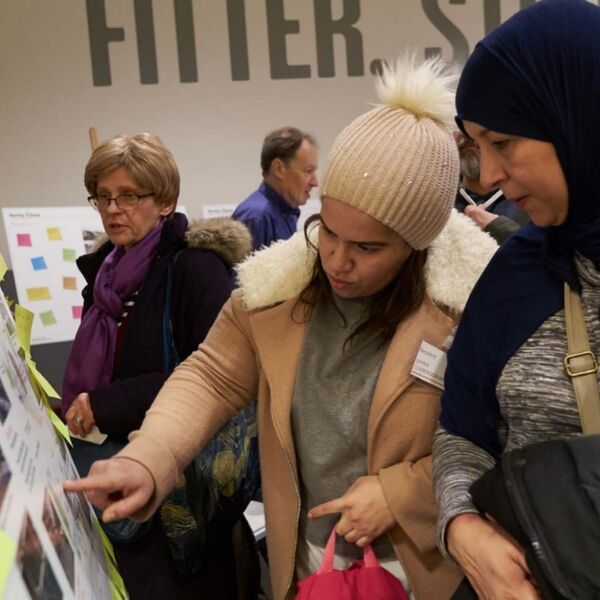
pixel 23 239
pixel 76 311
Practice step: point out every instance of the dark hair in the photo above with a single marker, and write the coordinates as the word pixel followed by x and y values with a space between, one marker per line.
pixel 282 143
pixel 388 307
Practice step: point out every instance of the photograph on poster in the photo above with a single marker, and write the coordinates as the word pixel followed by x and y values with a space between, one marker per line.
pixel 80 510
pixel 58 537
pixel 91 239
pixel 4 477
pixel 6 318
pixel 62 446
pixel 4 403
pixel 15 372
pixel 34 566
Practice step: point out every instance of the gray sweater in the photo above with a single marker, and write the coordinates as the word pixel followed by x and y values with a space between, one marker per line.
pixel 536 400
pixel 334 388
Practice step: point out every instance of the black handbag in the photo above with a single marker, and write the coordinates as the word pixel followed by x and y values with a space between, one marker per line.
pixel 547 496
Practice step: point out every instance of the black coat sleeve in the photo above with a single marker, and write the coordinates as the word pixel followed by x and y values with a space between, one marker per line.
pixel 501 228
pixel 201 285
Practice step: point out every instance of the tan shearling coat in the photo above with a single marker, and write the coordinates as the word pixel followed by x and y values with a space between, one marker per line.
pixel 253 353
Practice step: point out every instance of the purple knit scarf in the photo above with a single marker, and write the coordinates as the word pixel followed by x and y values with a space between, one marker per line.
pixel 92 356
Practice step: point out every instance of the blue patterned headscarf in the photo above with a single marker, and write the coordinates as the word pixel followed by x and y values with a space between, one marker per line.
pixel 537 76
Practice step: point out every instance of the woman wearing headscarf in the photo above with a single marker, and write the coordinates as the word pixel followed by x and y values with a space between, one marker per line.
pixel 327 341
pixel 154 288
pixel 528 96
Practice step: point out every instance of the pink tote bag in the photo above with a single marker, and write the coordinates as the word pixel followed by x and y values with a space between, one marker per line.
pixel 364 580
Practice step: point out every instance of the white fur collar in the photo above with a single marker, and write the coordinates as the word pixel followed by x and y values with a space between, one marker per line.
pixel 456 259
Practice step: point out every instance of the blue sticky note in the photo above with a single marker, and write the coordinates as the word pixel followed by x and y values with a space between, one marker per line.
pixel 38 263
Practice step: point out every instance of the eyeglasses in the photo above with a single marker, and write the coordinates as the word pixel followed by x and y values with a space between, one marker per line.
pixel 126 202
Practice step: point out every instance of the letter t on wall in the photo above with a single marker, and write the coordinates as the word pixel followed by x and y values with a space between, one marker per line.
pixel 326 27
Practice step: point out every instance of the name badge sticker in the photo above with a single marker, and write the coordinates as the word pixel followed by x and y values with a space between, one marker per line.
pixel 430 365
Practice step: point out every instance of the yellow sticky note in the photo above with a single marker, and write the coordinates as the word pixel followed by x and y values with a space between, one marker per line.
pixel 115 593
pixel 59 425
pixel 70 283
pixel 8 550
pixel 3 267
pixel 38 293
pixel 37 388
pixel 54 234
pixel 23 323
pixel 116 581
pixel 44 384
pixel 105 542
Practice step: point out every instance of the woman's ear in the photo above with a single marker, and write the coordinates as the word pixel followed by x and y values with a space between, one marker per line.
pixel 166 210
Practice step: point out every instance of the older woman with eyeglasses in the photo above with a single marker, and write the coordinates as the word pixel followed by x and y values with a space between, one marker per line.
pixel 121 355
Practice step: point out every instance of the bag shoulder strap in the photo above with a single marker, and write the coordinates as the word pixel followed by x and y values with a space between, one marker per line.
pixel 170 355
pixel 581 364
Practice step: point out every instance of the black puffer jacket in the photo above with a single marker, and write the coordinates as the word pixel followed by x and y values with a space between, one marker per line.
pixel 202 282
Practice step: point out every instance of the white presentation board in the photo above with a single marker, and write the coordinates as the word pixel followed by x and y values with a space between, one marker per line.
pixel 50 546
pixel 44 244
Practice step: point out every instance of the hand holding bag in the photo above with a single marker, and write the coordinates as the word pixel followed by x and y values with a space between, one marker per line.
pixel 365 580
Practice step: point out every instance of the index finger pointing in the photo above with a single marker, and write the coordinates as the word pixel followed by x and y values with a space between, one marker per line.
pixel 94 483
pixel 327 508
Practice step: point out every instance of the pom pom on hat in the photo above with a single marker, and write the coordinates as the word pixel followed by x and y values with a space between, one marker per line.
pixel 398 162
pixel 426 90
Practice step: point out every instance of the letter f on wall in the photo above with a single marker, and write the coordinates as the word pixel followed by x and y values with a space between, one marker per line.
pixel 100 36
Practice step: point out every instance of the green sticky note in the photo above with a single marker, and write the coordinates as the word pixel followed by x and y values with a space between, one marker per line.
pixel 48 318
pixel 69 255
pixel 8 550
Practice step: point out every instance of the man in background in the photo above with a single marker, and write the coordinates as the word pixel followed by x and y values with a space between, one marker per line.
pixel 489 209
pixel 289 168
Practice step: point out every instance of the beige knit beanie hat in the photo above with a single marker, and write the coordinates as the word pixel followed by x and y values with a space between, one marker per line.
pixel 398 162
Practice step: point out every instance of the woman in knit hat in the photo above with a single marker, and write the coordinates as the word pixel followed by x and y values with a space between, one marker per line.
pixel 528 96
pixel 326 340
